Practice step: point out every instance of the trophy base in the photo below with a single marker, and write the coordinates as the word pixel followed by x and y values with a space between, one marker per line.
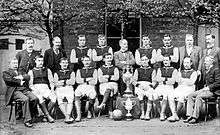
pixel 128 118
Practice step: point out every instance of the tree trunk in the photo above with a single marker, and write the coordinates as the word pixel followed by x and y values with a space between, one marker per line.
pixel 49 32
pixel 61 30
pixel 195 32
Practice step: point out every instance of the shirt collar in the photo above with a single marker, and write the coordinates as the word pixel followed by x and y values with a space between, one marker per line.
pixel 167 47
pixel 107 66
pixel 81 47
pixel 146 47
pixel 100 46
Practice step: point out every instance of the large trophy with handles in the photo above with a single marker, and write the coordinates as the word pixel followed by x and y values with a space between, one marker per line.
pixel 127 78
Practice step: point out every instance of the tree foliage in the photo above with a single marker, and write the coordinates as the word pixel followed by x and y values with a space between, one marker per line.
pixel 81 15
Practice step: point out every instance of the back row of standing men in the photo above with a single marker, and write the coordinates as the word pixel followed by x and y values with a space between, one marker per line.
pixel 82 55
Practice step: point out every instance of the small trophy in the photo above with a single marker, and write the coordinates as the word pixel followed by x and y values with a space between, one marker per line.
pixel 128 104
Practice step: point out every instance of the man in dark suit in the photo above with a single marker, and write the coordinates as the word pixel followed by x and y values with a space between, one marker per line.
pixel 53 55
pixel 123 58
pixel 26 63
pixel 212 84
pixel 211 50
pixel 189 50
pixel 26 56
pixel 16 91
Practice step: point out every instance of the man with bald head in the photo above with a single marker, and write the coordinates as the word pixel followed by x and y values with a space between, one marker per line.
pixel 122 58
pixel 53 55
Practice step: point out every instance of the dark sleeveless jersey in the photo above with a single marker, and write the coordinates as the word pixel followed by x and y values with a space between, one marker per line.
pixel 108 70
pixel 101 50
pixel 81 52
pixel 40 76
pixel 86 73
pixel 64 75
pixel 145 74
pixel 145 51
pixel 187 73
pixel 167 72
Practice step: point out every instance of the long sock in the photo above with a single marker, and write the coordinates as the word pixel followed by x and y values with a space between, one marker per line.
pixel 91 105
pixel 163 106
pixel 44 108
pixel 63 108
pixel 142 106
pixel 149 107
pixel 110 104
pixel 51 106
pixel 78 107
pixel 69 108
pixel 172 106
pixel 106 96
pixel 179 107
pixel 157 106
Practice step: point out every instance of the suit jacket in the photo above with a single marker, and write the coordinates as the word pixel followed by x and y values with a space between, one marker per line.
pixel 127 56
pixel 196 55
pixel 51 62
pixel 12 84
pixel 212 80
pixel 26 62
pixel 215 52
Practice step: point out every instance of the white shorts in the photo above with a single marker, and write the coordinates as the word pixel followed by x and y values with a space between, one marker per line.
pixel 43 92
pixel 145 90
pixel 109 85
pixel 67 92
pixel 182 91
pixel 85 90
pixel 167 91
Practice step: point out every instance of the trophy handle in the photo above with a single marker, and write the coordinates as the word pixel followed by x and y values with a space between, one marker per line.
pixel 134 103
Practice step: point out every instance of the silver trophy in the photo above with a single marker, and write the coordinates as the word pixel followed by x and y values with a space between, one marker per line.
pixel 127 78
pixel 128 104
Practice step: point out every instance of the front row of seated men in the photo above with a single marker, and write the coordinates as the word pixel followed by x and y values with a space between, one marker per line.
pixel 147 81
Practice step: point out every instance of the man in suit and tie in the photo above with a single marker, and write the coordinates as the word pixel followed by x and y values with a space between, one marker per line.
pixel 122 58
pixel 211 50
pixel 16 91
pixel 53 55
pixel 189 50
pixel 26 62
pixel 26 56
pixel 214 51
pixel 211 87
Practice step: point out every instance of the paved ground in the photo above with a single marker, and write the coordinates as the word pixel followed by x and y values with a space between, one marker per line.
pixel 104 126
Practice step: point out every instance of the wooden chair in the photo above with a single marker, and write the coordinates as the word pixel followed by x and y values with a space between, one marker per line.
pixel 209 101
pixel 13 111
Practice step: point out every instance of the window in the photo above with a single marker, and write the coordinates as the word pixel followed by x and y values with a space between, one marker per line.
pixel 19 43
pixel 4 44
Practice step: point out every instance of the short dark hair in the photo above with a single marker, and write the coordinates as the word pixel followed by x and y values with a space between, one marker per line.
pixel 86 56
pixel 166 55
pixel 167 35
pixel 29 39
pixel 63 59
pixel 145 35
pixel 81 35
pixel 213 36
pixel 144 56
pixel 101 36
pixel 38 56
pixel 106 54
